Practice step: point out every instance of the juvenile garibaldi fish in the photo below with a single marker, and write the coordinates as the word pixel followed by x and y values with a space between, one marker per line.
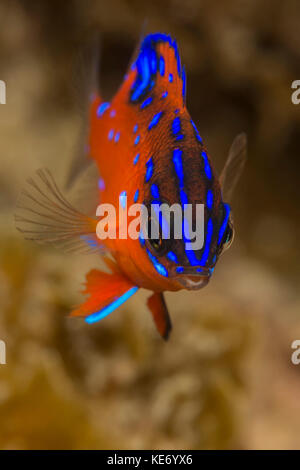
pixel 146 149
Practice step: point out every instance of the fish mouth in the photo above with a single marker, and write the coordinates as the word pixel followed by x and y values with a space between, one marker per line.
pixel 192 277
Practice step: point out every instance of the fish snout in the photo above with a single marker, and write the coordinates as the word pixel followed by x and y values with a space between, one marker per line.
pixel 193 278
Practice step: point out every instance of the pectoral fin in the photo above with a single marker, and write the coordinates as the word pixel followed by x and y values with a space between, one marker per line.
pixel 45 216
pixel 234 166
pixel 160 314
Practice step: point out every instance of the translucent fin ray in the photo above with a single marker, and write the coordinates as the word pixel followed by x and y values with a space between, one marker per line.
pixel 44 215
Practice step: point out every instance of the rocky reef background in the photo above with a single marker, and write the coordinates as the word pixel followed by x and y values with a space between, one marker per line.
pixel 225 378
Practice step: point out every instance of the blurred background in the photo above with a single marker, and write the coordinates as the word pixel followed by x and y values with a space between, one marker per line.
pixel 225 379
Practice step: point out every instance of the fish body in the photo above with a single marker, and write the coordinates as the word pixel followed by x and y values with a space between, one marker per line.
pixel 152 126
pixel 148 149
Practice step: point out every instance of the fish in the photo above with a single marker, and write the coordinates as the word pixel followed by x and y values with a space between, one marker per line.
pixel 145 148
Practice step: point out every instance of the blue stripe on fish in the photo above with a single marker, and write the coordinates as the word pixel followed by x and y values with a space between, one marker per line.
pixel 224 223
pixel 158 266
pixel 209 233
pixel 209 199
pixel 207 168
pixel 111 307
pixel 161 65
pixel 163 223
pixel 183 76
pixel 196 132
pixel 189 253
pixel 142 238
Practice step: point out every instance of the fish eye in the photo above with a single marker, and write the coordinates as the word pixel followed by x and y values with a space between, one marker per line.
pixel 227 237
pixel 158 244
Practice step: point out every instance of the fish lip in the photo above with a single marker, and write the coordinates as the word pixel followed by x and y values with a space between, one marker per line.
pixel 197 271
pixel 192 277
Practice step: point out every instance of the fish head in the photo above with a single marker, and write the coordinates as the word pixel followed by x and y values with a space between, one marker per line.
pixel 188 225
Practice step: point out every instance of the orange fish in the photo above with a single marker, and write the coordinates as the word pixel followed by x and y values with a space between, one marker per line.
pixel 147 150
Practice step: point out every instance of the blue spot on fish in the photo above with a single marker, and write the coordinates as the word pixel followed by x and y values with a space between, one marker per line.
pixel 123 199
pixel 161 65
pixel 117 137
pixel 101 108
pixel 170 78
pixel 101 184
pixel 155 120
pixel 112 113
pixel 110 134
pixel 164 95
pixel 149 169
pixel 136 195
pixel 177 153
pixel 137 139
pixel 135 128
pixel 172 257
pixel 136 158
pixel 155 191
pixel 146 102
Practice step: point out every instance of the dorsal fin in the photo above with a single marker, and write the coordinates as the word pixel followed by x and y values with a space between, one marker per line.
pixel 158 67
